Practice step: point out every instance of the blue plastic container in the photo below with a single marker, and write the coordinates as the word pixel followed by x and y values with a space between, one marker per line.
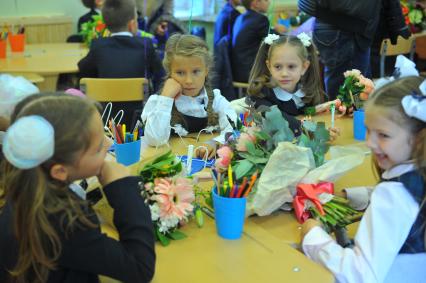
pixel 128 153
pixel 359 126
pixel 229 216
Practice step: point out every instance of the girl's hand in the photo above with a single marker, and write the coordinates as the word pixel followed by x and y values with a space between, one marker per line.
pixel 112 171
pixel 308 225
pixel 171 88
pixel 201 152
pixel 334 133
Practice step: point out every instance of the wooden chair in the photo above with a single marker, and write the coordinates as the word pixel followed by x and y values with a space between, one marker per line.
pixel 114 90
pixel 240 86
pixel 403 46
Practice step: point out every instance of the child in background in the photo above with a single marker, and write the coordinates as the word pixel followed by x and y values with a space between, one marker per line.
pixel 49 234
pixel 393 226
pixel 186 98
pixel 286 73
pixel 225 20
pixel 95 7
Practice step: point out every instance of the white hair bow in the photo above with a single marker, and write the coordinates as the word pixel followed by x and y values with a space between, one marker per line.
pixel 415 104
pixel 305 39
pixel 29 142
pixel 271 38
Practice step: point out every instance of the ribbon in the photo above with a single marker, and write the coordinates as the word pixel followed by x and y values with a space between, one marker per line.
pixel 305 192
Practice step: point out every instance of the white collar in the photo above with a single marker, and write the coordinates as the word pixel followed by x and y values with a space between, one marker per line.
pixel 122 33
pixel 193 106
pixel 283 95
pixel 398 170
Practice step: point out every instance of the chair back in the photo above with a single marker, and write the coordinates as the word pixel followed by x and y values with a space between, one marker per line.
pixel 114 90
pixel 403 46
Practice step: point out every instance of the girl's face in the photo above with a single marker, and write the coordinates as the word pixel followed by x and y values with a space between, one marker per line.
pixel 286 67
pixel 190 73
pixel 390 143
pixel 91 161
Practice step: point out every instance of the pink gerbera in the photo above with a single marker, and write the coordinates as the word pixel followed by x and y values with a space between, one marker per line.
pixel 174 197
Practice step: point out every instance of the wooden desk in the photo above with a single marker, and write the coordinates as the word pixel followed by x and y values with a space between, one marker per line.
pixel 47 60
pixel 266 252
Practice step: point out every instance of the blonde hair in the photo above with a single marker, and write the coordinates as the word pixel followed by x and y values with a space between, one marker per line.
pixel 38 239
pixel 190 46
pixel 260 75
pixel 389 98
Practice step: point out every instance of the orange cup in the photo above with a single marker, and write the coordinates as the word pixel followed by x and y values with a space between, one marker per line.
pixel 17 42
pixel 2 49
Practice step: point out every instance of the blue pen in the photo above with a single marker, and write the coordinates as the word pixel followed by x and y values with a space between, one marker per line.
pixel 140 131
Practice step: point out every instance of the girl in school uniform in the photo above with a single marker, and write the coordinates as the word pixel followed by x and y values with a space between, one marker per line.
pixel 50 233
pixel 286 73
pixel 187 103
pixel 391 235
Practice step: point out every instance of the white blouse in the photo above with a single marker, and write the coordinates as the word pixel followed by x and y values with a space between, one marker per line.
pixel 283 95
pixel 382 232
pixel 157 114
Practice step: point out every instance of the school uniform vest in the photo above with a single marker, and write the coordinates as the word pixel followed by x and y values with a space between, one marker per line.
pixel 414 183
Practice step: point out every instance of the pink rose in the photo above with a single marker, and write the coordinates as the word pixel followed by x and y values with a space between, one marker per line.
pixel 225 157
pixel 243 140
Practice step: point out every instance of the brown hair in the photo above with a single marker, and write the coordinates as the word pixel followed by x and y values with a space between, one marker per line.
pixel 91 4
pixel 189 46
pixel 310 81
pixel 389 98
pixel 118 13
pixel 38 239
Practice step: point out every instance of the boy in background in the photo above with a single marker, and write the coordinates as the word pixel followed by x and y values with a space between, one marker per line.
pixel 225 20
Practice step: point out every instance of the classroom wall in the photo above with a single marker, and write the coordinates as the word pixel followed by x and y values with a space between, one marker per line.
pixel 22 8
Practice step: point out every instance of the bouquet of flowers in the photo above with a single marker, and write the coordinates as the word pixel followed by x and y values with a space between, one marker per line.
pixel 170 196
pixel 355 89
pixel 265 143
pixel 414 15
pixel 97 28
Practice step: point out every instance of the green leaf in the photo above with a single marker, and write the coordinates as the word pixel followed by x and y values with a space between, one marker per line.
pixel 177 235
pixel 162 238
pixel 250 147
pixel 242 167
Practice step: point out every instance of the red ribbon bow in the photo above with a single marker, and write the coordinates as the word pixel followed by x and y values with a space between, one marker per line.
pixel 310 192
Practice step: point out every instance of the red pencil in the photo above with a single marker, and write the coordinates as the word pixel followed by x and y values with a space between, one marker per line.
pixel 240 190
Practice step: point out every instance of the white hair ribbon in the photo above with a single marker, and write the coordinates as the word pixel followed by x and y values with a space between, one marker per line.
pixel 271 38
pixel 29 142
pixel 415 104
pixel 305 39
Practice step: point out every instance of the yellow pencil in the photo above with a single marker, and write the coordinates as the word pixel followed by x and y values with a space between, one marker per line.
pixel 123 129
pixel 231 183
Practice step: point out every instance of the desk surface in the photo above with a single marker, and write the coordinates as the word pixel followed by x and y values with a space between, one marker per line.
pixel 47 60
pixel 265 253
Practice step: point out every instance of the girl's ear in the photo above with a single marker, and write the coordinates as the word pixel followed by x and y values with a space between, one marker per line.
pixel 59 172
pixel 267 65
pixel 306 65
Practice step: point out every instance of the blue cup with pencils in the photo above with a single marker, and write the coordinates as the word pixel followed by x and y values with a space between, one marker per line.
pixel 127 146
pixel 229 202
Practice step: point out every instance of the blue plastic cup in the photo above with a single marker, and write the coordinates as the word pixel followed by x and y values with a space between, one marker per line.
pixel 128 153
pixel 359 126
pixel 229 216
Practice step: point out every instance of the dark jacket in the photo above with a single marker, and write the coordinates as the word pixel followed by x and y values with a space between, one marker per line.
pixel 224 23
pixel 360 17
pixel 122 57
pixel 287 108
pixel 249 30
pixel 222 77
pixel 86 18
pixel 86 252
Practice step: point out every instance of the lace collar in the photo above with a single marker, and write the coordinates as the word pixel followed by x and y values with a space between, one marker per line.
pixel 283 95
pixel 193 106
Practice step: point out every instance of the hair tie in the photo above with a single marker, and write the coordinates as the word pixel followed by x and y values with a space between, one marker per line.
pixel 271 38
pixel 29 142
pixel 414 104
pixel 305 39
